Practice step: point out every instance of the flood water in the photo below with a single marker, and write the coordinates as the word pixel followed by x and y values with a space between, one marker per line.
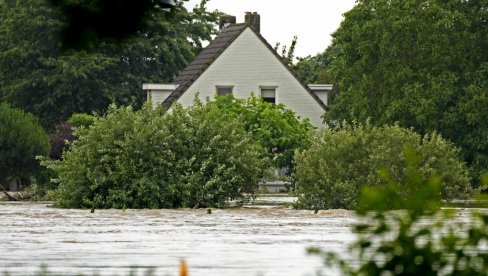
pixel 239 241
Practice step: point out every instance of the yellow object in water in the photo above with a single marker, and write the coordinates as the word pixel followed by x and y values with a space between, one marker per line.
pixel 183 268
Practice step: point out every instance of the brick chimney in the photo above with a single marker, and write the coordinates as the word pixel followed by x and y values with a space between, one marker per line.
pixel 254 20
pixel 226 20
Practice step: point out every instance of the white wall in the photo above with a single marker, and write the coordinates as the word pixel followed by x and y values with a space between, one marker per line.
pixel 248 64
pixel 157 93
pixel 157 96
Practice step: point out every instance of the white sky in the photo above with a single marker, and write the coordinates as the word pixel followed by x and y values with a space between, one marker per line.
pixel 313 21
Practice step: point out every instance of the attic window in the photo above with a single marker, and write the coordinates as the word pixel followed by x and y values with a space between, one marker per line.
pixel 268 94
pixel 224 90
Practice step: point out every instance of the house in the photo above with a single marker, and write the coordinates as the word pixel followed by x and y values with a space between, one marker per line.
pixel 241 62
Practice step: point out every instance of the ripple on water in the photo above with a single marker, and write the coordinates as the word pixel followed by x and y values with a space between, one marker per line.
pixel 241 241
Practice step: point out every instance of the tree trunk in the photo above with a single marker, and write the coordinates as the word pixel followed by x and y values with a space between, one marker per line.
pixel 9 196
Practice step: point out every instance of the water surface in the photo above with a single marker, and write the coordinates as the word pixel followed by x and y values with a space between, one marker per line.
pixel 240 241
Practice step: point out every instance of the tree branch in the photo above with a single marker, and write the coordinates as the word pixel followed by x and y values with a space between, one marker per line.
pixel 9 196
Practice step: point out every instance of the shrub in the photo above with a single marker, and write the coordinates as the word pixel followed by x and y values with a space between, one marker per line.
pixel 81 120
pixel 195 157
pixel 341 162
pixel 64 133
pixel 421 239
pixel 21 140
pixel 58 140
pixel 278 129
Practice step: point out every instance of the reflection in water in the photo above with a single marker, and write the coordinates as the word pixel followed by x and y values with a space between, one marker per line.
pixel 243 241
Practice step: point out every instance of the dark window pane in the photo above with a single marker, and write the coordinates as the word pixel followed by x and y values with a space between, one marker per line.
pixel 224 90
pixel 270 100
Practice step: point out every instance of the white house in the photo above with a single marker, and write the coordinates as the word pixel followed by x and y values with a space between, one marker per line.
pixel 240 61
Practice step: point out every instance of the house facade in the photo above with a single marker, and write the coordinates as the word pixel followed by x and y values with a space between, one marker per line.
pixel 241 62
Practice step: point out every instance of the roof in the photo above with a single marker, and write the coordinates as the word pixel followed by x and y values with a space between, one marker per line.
pixel 208 55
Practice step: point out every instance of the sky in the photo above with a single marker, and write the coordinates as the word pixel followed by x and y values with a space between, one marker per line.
pixel 312 21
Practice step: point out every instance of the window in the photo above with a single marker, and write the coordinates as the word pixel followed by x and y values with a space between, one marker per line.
pixel 268 94
pixel 224 90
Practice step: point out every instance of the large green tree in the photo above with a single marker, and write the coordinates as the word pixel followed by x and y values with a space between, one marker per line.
pixel 89 22
pixel 422 63
pixel 278 129
pixel 38 75
pixel 21 140
pixel 313 69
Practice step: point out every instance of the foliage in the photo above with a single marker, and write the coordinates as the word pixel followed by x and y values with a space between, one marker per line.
pixel 314 69
pixel 58 140
pixel 340 163
pixel 287 53
pixel 196 157
pixel 39 76
pixel 64 133
pixel 278 129
pixel 81 120
pixel 422 63
pixel 21 140
pixel 89 22
pixel 418 240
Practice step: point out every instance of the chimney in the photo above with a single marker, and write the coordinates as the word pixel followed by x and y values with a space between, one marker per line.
pixel 226 20
pixel 254 20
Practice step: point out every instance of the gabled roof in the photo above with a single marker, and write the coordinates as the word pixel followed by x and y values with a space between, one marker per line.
pixel 208 55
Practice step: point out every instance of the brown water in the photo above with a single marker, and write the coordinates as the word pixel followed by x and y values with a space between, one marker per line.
pixel 242 241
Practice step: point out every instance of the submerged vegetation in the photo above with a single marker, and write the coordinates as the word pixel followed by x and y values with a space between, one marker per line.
pixel 202 156
pixel 412 235
pixel 194 157
pixel 341 162
pixel 218 151
pixel 21 140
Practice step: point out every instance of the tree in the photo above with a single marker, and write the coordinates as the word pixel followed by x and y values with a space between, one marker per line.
pixel 278 129
pixel 287 53
pixel 91 21
pixel 340 163
pixel 315 69
pixel 21 140
pixel 197 157
pixel 39 76
pixel 422 63
pixel 81 120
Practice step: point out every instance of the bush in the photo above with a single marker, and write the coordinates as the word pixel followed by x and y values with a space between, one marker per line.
pixel 421 239
pixel 195 157
pixel 58 140
pixel 21 140
pixel 278 129
pixel 341 162
pixel 64 133
pixel 81 120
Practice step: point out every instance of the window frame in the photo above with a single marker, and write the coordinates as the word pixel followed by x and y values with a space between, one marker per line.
pixel 271 100
pixel 230 87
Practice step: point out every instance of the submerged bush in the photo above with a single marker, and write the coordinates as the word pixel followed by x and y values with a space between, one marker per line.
pixel 342 162
pixel 419 239
pixel 21 140
pixel 194 157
